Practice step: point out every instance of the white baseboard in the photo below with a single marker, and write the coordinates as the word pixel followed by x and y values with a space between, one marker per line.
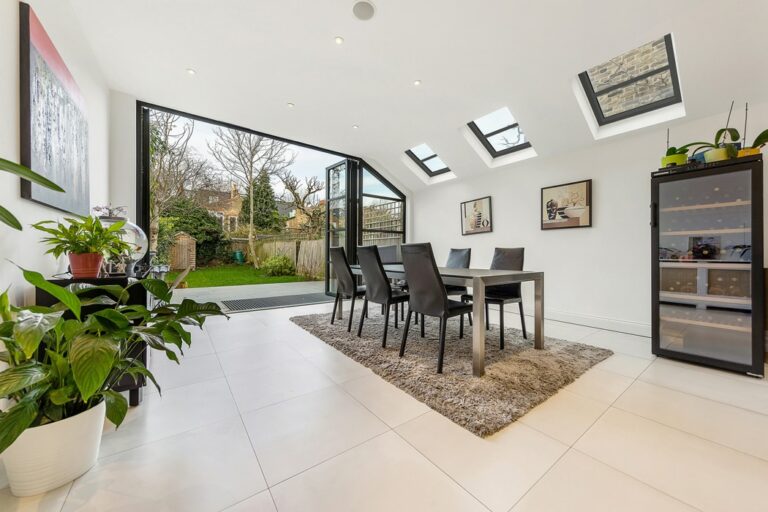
pixel 609 324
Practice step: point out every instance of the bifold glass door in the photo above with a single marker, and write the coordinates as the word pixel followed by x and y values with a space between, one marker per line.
pixel 337 216
pixel 705 248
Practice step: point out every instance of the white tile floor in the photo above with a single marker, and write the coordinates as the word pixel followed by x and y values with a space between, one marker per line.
pixel 262 416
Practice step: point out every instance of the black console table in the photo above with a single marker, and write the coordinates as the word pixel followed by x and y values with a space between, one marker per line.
pixel 137 295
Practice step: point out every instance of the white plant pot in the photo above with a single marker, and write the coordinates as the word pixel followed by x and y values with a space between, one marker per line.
pixel 49 456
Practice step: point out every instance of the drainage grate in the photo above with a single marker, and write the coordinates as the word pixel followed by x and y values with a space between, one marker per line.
pixel 275 302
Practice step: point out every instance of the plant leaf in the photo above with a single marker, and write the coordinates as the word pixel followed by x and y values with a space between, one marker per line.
pixel 190 307
pixel 158 288
pixel 63 395
pixel 9 219
pixel 28 174
pixel 15 421
pixel 92 358
pixel 59 364
pixel 111 320
pixel 117 406
pixel 761 139
pixel 30 328
pixel 66 297
pixel 19 377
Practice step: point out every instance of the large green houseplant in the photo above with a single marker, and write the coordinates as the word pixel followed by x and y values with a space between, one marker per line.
pixel 85 241
pixel 6 217
pixel 63 366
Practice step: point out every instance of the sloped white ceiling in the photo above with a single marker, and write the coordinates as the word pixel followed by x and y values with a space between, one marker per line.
pixel 253 56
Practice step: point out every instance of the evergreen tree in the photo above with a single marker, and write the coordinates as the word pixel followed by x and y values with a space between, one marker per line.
pixel 265 214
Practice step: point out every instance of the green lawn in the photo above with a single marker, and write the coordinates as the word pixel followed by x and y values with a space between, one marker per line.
pixel 231 275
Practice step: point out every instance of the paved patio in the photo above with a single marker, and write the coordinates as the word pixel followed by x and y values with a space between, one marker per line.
pixel 250 291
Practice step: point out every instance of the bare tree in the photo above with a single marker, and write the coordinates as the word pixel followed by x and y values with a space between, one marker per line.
pixel 243 156
pixel 174 166
pixel 305 198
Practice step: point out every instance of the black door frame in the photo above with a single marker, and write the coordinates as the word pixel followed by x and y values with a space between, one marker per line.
pixel 354 202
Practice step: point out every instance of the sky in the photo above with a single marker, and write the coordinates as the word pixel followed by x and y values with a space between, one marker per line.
pixel 308 161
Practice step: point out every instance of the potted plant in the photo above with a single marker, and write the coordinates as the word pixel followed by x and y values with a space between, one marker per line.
pixel 7 217
pixel 719 149
pixel 675 156
pixel 85 241
pixel 760 141
pixel 63 367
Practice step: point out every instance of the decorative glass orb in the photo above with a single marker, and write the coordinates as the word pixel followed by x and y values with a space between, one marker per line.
pixel 134 236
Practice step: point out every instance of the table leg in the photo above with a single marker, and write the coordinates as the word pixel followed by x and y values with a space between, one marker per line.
pixel 478 327
pixel 341 306
pixel 538 292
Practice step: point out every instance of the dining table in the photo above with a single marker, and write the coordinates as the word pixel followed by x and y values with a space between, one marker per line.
pixel 478 279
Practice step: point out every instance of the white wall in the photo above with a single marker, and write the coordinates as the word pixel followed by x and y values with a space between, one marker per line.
pixel 63 28
pixel 596 276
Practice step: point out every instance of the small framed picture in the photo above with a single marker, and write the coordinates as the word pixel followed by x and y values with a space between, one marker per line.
pixel 567 206
pixel 476 216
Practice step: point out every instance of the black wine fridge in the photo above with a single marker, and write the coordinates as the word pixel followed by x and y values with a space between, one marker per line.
pixel 707 264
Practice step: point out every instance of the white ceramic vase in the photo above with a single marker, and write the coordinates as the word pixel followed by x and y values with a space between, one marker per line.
pixel 49 456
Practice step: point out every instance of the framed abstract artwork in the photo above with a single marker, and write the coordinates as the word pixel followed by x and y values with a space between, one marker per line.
pixel 54 125
pixel 476 216
pixel 567 206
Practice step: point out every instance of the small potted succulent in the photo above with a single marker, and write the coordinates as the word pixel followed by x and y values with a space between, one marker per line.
pixel 63 366
pixel 85 241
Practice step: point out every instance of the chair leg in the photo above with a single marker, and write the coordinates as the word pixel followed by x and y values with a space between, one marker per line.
pixel 396 308
pixel 382 309
pixel 402 310
pixel 335 307
pixel 363 316
pixel 417 315
pixel 386 326
pixel 501 326
pixel 351 314
pixel 487 318
pixel 522 319
pixel 422 324
pixel 443 325
pixel 405 331
pixel 461 327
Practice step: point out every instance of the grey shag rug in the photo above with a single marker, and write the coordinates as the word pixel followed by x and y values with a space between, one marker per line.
pixel 516 379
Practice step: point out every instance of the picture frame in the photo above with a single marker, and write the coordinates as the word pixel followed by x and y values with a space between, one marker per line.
pixel 568 205
pixel 53 121
pixel 476 216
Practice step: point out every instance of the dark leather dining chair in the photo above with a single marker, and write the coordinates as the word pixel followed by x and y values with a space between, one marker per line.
pixel 346 285
pixel 501 294
pixel 457 258
pixel 378 288
pixel 428 295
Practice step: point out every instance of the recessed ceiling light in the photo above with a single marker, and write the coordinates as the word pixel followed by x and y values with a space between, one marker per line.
pixel 290 105
pixel 355 127
pixel 339 40
pixel 363 10
pixel 191 71
pixel 417 83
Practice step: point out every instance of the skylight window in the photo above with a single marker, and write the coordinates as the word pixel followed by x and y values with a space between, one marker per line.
pixel 635 82
pixel 499 133
pixel 427 160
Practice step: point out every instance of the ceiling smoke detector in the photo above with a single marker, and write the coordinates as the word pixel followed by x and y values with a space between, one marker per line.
pixel 363 10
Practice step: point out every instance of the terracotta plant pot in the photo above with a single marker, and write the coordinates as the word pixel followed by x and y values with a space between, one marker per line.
pixel 85 265
pixel 43 458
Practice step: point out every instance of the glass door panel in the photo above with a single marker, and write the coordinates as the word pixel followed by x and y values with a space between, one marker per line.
pixel 705 256
pixel 336 218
